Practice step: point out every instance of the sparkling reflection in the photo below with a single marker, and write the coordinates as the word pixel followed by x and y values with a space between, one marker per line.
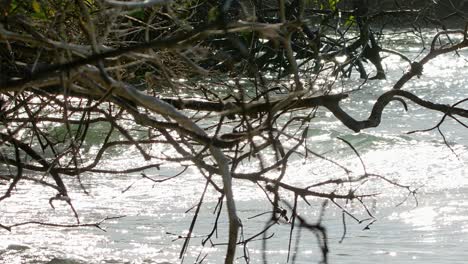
pixel 156 214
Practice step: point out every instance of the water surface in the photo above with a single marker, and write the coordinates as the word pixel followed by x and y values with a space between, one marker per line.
pixel 431 227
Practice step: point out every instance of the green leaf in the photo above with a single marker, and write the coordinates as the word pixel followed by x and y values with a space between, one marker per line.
pixel 213 13
pixel 350 21
pixel 138 14
pixel 333 3
pixel 39 11
pixel 36 6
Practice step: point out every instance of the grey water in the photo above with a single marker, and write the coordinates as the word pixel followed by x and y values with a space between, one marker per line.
pixel 431 227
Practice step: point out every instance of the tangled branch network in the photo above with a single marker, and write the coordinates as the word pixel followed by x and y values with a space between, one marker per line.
pixel 218 87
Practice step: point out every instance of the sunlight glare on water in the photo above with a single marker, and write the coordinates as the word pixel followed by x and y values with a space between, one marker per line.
pixel 431 227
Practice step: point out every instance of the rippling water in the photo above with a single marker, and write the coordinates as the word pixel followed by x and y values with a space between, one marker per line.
pixel 433 228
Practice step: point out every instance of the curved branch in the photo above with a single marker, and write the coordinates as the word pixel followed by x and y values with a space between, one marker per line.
pixel 376 114
pixel 416 67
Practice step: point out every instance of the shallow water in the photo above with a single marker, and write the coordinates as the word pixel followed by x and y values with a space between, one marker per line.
pixel 431 228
